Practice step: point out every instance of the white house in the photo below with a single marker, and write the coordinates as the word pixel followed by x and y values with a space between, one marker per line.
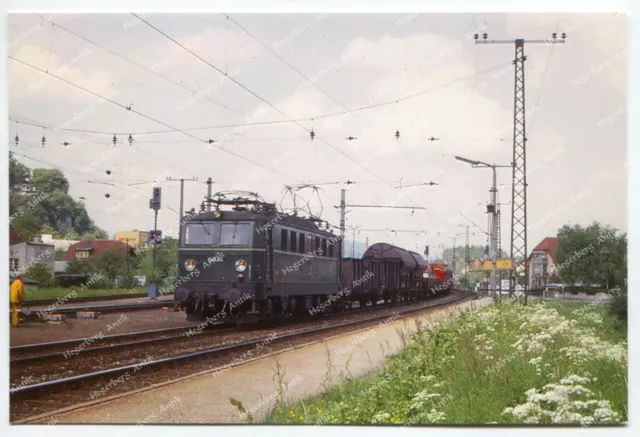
pixel 25 254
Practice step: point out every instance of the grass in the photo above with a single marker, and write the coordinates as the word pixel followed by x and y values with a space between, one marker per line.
pixel 471 369
pixel 33 293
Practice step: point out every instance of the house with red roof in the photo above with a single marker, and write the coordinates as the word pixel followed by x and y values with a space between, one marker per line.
pixel 542 263
pixel 86 249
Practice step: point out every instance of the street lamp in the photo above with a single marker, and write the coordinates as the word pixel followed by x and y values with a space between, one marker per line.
pixel 492 208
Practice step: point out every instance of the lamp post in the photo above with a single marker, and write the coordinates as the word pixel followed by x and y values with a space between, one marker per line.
pixel 492 209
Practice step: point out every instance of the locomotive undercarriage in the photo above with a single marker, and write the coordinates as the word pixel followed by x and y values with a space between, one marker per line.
pixel 246 309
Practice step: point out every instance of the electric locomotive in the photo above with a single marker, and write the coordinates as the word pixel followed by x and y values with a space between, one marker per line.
pixel 250 262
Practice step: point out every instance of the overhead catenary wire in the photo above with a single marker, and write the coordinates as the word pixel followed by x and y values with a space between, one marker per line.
pixel 291 120
pixel 319 138
pixel 147 117
pixel 143 67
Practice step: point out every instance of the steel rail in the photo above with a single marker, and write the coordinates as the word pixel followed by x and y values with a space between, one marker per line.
pixel 39 388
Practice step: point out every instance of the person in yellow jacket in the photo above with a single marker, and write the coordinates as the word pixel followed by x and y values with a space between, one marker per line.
pixel 17 297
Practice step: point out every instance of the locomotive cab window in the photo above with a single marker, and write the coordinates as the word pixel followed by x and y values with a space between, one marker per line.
pixel 235 234
pixel 292 243
pixel 317 246
pixel 324 247
pixel 200 234
pixel 301 243
pixel 283 239
pixel 331 250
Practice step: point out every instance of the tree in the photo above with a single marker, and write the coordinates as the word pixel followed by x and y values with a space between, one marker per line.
pixel 60 253
pixel 592 254
pixel 18 173
pixel 114 261
pixel 94 234
pixel 40 273
pixel 166 259
pixel 49 180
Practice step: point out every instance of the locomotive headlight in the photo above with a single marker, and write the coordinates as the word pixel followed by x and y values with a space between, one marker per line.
pixel 190 265
pixel 217 214
pixel 241 265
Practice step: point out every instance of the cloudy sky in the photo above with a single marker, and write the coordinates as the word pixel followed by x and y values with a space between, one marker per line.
pixel 341 75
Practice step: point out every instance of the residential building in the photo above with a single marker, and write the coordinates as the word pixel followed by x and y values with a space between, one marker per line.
pixel 135 238
pixel 542 263
pixel 25 254
pixel 86 249
pixel 58 243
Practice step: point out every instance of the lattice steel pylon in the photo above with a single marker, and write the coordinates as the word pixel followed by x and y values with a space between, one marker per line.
pixel 519 163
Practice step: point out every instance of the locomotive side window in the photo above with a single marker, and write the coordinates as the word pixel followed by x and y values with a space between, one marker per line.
pixel 283 239
pixel 292 243
pixel 331 250
pixel 324 247
pixel 301 243
pixel 317 246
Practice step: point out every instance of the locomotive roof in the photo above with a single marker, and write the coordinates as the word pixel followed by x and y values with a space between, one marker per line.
pixel 387 251
pixel 263 216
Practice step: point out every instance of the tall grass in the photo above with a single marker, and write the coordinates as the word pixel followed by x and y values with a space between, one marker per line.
pixel 471 369
pixel 33 293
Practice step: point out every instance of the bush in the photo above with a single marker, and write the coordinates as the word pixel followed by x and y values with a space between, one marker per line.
pixel 127 282
pixel 618 305
pixel 41 273
pixel 103 283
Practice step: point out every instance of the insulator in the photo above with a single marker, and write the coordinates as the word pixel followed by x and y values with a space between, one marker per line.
pixel 563 36
pixel 66 144
pixel 211 141
pixel 397 135
pixel 312 134
pixel 108 172
pixel 475 36
pixel 484 36
pixel 107 195
pixel 115 140
pixel 130 139
pixel 554 35
pixel 44 140
pixel 17 139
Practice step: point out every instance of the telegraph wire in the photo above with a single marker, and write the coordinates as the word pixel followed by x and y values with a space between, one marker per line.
pixel 290 120
pixel 148 117
pixel 281 112
pixel 284 61
pixel 178 84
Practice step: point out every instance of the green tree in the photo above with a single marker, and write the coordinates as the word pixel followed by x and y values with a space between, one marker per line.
pixel 19 174
pixel 592 254
pixel 49 180
pixel 112 262
pixel 60 253
pixel 40 273
pixel 166 259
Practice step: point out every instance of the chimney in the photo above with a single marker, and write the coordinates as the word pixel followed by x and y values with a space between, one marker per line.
pixel 37 238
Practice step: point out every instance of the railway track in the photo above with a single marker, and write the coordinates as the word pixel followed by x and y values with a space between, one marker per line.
pixel 52 351
pixel 64 391
pixel 33 314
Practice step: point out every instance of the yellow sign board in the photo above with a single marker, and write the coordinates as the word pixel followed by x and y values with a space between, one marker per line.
pixel 487 266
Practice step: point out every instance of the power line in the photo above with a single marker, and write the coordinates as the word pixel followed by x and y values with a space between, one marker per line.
pixel 276 109
pixel 143 67
pixel 147 117
pixel 314 84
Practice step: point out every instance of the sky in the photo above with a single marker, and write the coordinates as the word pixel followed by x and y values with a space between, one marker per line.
pixel 365 76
